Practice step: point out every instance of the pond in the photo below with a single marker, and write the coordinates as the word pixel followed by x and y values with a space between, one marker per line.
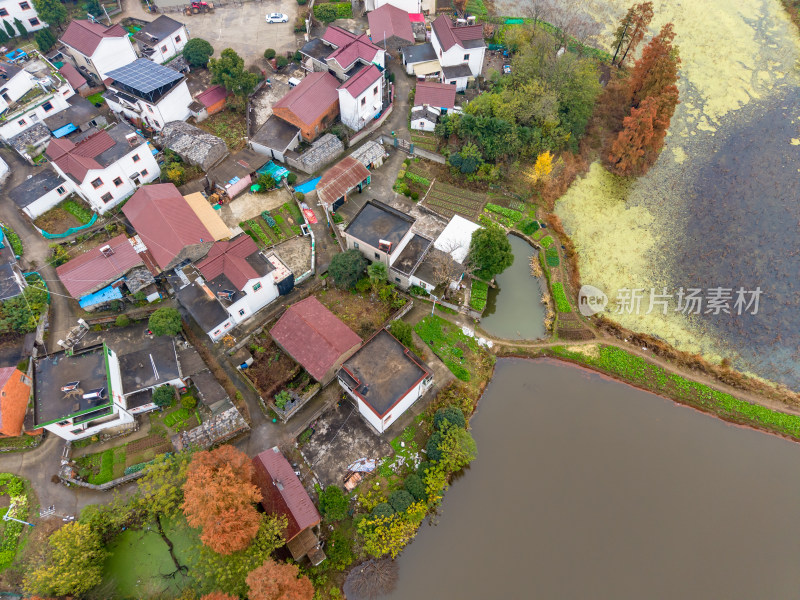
pixel 587 488
pixel 514 309
pixel 140 566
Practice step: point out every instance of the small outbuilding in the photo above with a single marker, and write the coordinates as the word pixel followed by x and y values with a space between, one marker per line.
pixel 275 138
pixel 194 145
pixel 390 27
pixel 341 179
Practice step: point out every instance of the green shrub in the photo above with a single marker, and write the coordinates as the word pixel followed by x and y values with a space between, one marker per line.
pixel 282 398
pixel 325 12
pixel 344 11
pixel 281 62
pixel 297 57
pixel 432 447
pixel 188 402
pixel 333 503
pixel 291 178
pixel 478 295
pixel 416 488
pixel 401 175
pixel 418 291
pixel 401 500
pixel 546 241
pixel 529 226
pixel 299 195
pixel 403 332
pixel 15 242
pixel 422 468
pixel 269 53
pixel 415 196
pixel 164 395
pixel 122 321
pixel 382 510
pixel 363 285
pixel 560 298
pixel 449 415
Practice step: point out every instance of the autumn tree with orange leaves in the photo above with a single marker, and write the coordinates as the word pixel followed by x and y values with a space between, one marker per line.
pixel 278 581
pixel 653 96
pixel 631 30
pixel 219 499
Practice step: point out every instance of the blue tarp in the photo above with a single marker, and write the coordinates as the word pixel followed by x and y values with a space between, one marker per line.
pixel 65 130
pixel 274 171
pixel 15 55
pixel 107 294
pixel 308 186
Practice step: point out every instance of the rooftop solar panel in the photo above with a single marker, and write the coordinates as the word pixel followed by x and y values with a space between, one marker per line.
pixel 144 76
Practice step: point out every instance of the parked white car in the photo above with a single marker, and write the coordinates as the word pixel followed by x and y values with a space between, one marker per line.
pixel 277 18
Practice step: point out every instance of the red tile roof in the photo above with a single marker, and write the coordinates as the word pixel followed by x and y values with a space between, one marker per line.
pixel 362 80
pixel 449 35
pixel 362 47
pixel 337 36
pixel 439 95
pixel 340 179
pixel 92 270
pixel 86 36
pixel 78 159
pixel 312 98
pixel 164 221
pixel 314 336
pixel 388 21
pixel 283 493
pixel 212 95
pixel 229 258
pixel 73 76
pixel 14 394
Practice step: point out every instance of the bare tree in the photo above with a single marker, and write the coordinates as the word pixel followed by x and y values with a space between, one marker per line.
pixel 445 268
pixel 538 10
pixel 371 579
pixel 572 22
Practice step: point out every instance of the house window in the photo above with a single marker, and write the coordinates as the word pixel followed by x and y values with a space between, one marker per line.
pixel 156 123
pixel 61 190
pixel 21 122
pixel 257 287
pixel 466 57
pixel 397 279
pixel 363 101
pixel 3 12
pixel 216 332
pixel 118 181
pixel 177 39
pixel 150 108
pixel 136 158
pixel 377 256
pixel 47 106
pixel 97 183
pixel 163 48
pixel 375 91
pixel 227 325
pixel 355 244
pixel 34 117
pixel 34 21
pixel 107 197
pixel 144 172
pixel 241 312
pixel 24 6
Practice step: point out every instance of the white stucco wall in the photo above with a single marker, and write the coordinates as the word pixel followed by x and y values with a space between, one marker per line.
pixel 172 107
pixel 47 201
pixel 410 6
pixel 423 125
pixel 36 114
pixel 355 115
pixel 220 330
pixel 14 10
pixel 112 53
pixel 382 424
pixel 252 301
pixel 169 47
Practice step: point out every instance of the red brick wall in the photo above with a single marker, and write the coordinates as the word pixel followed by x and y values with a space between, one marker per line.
pixel 310 131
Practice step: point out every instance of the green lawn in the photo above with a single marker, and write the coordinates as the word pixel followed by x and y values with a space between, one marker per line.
pixel 449 343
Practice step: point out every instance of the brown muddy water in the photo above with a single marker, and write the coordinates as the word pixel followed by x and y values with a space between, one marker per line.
pixel 587 488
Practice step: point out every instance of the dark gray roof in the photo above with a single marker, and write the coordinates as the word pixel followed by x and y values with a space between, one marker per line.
pixel 208 388
pixel 190 360
pixel 194 145
pixel 121 145
pixel 208 312
pixel 140 398
pixel 9 285
pixel 276 134
pixel 469 44
pixel 412 254
pixel 154 365
pixel 31 136
pixel 378 221
pixel 145 79
pixel 79 113
pixel 240 165
pixel 35 187
pixel 420 112
pixel 385 371
pixel 318 49
pixel 159 29
pixel 419 53
pixel 457 71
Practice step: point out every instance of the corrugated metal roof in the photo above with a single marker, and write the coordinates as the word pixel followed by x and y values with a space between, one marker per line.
pixel 439 95
pixel 85 36
pixel 228 258
pixel 312 98
pixel 78 159
pixel 92 270
pixel 73 76
pixel 314 336
pixel 209 217
pixel 340 179
pixel 212 95
pixel 283 493
pixel 362 47
pixel 337 36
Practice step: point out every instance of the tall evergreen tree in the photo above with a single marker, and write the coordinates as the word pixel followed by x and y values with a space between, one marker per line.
pixel 631 31
pixel 10 29
pixel 631 153
pixel 20 27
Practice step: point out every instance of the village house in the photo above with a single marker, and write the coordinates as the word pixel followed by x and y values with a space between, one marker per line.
pixel 75 79
pixel 443 262
pixel 25 11
pixel 235 173
pixel 424 118
pixel 147 368
pixel 40 192
pixel 439 97
pixel 148 93
pixel 170 227
pixel 457 45
pixel 371 154
pixel 96 277
pixel 209 102
pixel 342 178
pixel 361 98
pixel 30 93
pixel 390 27
pixel 282 493
pixel 312 106
pixel 161 39
pixel 15 393
pixel 421 60
pixel 341 52
pixel 379 232
pixel 316 338
pixel 79 115
pixel 275 138
pixel 194 145
pixel 384 378
pixel 104 167
pixel 96 49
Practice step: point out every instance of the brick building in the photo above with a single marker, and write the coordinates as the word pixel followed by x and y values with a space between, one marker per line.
pixel 312 106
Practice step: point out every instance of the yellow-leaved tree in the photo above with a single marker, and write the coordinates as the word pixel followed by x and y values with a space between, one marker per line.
pixel 543 166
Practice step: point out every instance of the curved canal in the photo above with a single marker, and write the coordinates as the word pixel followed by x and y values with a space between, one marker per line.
pixel 587 488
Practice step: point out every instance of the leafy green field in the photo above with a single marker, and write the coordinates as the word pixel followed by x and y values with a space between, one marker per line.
pixel 449 343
